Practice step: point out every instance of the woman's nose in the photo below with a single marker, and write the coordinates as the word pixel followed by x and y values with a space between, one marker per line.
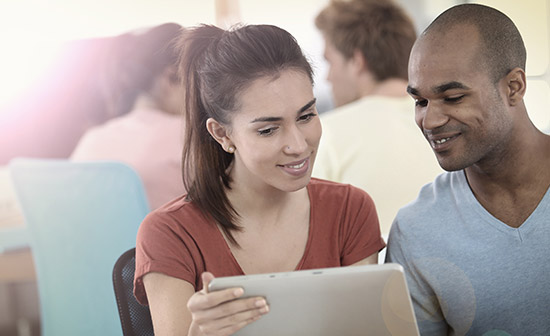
pixel 296 143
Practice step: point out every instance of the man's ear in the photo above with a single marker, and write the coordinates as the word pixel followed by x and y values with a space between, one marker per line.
pixel 219 133
pixel 359 61
pixel 516 85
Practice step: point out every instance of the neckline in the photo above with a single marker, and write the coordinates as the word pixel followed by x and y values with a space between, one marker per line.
pixel 488 217
pixel 228 252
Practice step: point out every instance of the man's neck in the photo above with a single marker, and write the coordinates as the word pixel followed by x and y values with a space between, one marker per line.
pixel 392 87
pixel 513 187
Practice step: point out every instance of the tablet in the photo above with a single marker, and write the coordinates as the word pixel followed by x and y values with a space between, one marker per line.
pixel 353 300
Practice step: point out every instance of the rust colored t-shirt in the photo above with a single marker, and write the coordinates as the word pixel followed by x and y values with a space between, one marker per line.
pixel 178 240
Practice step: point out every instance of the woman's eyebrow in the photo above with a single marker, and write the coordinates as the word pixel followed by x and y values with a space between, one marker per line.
pixel 273 119
pixel 307 106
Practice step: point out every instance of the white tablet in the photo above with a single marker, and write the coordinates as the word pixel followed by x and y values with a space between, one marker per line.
pixel 353 300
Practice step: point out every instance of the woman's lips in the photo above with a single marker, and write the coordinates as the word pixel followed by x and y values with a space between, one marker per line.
pixel 296 168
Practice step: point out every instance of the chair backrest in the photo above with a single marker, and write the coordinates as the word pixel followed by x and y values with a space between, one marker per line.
pixel 81 216
pixel 134 317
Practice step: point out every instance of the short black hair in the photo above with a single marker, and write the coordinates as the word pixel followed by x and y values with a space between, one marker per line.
pixel 502 47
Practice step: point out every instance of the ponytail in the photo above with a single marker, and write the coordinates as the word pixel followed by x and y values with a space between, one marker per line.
pixel 204 161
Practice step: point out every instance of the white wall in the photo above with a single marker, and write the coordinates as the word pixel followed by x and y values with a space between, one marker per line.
pixel 31 29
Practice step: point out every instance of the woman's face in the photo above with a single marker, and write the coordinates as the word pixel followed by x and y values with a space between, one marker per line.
pixel 276 132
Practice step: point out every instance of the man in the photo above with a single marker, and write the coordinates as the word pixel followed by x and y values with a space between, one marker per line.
pixel 370 140
pixel 476 243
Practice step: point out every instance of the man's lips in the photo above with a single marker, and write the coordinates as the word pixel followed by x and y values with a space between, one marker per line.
pixel 442 142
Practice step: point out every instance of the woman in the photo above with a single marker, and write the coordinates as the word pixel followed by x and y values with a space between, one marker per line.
pixel 252 207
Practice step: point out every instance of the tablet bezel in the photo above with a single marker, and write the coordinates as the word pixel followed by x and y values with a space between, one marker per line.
pixel 353 300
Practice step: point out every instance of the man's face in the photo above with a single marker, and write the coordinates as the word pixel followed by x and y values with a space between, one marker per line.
pixel 341 75
pixel 460 110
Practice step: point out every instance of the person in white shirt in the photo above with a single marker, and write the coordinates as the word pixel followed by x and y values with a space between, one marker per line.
pixel 370 140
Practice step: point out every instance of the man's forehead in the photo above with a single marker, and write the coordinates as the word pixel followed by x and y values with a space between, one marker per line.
pixel 439 69
pixel 449 37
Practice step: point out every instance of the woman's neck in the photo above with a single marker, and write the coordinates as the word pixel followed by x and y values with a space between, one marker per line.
pixel 267 204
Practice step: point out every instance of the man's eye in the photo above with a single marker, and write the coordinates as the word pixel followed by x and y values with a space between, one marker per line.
pixel 420 102
pixel 454 99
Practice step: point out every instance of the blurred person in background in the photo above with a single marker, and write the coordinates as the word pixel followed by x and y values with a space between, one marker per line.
pixel 370 140
pixel 142 85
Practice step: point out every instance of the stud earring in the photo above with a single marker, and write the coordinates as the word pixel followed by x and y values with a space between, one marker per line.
pixel 231 149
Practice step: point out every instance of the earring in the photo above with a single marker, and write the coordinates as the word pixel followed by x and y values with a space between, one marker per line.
pixel 231 149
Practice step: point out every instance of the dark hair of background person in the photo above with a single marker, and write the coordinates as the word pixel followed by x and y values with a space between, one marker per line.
pixel 216 66
pixel 139 57
pixel 502 48
pixel 380 29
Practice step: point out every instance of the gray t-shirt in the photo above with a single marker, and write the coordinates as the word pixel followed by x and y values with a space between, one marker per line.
pixel 468 272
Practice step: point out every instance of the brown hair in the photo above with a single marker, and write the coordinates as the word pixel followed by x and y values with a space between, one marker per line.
pixel 134 61
pixel 216 66
pixel 381 30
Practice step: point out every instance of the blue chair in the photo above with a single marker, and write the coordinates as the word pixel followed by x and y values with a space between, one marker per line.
pixel 80 216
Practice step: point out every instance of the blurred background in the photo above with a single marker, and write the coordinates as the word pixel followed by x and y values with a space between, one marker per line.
pixel 50 89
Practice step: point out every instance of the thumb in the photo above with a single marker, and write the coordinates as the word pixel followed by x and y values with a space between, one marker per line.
pixel 206 278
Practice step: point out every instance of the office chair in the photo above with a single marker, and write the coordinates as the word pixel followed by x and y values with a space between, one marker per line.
pixel 134 318
pixel 81 216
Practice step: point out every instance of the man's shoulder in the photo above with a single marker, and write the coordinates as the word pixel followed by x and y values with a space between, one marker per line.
pixel 434 199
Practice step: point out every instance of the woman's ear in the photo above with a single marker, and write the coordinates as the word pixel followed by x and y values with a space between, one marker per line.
pixel 219 133
pixel 516 84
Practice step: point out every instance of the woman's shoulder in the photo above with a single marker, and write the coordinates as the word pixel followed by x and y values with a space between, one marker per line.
pixel 329 190
pixel 175 215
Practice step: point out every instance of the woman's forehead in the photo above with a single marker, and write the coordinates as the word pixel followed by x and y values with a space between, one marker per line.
pixel 275 95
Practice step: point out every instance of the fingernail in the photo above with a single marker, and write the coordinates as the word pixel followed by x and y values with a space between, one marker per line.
pixel 265 309
pixel 260 303
pixel 238 292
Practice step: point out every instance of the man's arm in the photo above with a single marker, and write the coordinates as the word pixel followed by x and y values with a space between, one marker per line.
pixel 428 312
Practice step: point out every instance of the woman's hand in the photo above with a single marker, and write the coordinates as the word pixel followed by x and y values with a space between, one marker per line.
pixel 222 312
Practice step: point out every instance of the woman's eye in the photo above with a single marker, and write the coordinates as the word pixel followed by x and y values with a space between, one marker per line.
pixel 305 117
pixel 266 131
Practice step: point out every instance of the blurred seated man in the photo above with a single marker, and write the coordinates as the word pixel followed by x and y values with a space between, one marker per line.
pixel 370 139
pixel 149 138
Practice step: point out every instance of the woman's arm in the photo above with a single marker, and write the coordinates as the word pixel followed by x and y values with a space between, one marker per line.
pixel 372 259
pixel 176 309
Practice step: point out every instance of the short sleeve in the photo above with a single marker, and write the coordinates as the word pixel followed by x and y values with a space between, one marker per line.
pixel 361 230
pixel 163 246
